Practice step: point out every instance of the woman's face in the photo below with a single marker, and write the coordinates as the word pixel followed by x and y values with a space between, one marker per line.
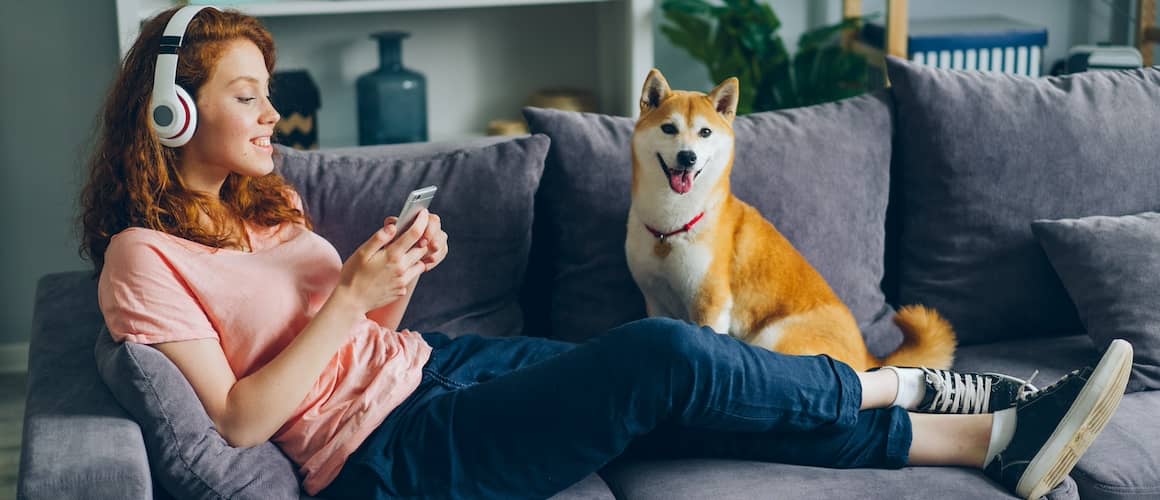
pixel 235 120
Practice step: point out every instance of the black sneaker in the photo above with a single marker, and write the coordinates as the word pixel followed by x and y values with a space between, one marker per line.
pixel 965 393
pixel 1056 425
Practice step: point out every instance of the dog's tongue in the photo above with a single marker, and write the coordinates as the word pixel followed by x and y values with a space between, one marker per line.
pixel 681 182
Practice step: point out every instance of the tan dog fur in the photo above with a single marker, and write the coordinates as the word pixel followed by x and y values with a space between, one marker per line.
pixel 733 271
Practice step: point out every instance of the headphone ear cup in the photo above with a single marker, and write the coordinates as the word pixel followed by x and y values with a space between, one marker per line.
pixel 185 118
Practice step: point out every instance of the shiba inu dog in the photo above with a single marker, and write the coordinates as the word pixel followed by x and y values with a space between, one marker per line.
pixel 700 254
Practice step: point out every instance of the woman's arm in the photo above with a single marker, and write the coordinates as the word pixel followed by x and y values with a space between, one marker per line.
pixel 247 412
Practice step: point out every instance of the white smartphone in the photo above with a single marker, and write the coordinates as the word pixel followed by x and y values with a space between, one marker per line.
pixel 416 201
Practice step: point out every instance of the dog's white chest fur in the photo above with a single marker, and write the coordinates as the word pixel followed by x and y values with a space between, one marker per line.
pixel 670 283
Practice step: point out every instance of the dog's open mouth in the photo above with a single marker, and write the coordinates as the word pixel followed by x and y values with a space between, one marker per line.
pixel 680 180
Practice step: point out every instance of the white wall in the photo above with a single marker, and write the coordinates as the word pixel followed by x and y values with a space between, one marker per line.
pixel 56 60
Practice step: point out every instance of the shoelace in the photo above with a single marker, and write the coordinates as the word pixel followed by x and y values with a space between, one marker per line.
pixel 959 392
pixel 1062 380
pixel 1026 390
pixel 971 392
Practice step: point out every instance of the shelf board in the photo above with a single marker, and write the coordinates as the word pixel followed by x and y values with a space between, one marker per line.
pixel 317 7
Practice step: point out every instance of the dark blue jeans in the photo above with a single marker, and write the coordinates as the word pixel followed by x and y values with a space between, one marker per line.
pixel 526 417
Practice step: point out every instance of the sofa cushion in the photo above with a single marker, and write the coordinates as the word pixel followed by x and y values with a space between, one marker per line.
pixel 592 487
pixel 186 454
pixel 819 174
pixel 1111 268
pixel 486 191
pixel 743 480
pixel 980 155
pixel 1124 462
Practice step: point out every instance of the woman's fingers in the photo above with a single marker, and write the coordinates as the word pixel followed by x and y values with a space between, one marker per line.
pixel 376 241
pixel 411 236
pixel 410 257
pixel 412 273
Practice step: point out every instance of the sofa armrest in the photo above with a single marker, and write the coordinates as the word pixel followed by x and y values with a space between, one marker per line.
pixel 82 456
pixel 78 442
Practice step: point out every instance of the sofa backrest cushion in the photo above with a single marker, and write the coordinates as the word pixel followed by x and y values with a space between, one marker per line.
pixel 820 174
pixel 485 202
pixel 979 156
pixel 186 454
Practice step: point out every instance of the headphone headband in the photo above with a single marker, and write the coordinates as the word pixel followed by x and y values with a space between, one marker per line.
pixel 172 113
pixel 175 28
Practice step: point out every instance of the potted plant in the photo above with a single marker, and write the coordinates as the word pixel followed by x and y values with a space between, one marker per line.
pixel 739 38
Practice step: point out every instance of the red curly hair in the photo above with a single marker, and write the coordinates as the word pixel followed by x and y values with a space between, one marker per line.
pixel 133 179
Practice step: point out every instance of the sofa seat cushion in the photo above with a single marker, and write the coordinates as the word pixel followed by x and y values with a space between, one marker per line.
pixel 820 174
pixel 743 480
pixel 485 202
pixel 1124 461
pixel 592 487
pixel 979 156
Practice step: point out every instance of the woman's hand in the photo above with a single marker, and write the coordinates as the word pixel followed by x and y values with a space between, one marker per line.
pixel 435 241
pixel 381 270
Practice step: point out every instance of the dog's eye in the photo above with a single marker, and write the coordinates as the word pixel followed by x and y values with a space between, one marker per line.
pixel 668 128
pixel 706 132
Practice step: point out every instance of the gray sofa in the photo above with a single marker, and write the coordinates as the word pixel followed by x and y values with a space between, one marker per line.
pixel 920 194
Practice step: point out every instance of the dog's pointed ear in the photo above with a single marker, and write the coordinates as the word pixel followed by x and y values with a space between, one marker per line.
pixel 655 90
pixel 725 97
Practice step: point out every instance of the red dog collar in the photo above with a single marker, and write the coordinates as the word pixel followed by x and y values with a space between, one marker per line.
pixel 661 236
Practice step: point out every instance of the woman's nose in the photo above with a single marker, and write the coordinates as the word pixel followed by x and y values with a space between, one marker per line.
pixel 270 114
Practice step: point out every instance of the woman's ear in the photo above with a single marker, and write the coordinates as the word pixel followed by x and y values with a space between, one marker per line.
pixel 655 90
pixel 725 97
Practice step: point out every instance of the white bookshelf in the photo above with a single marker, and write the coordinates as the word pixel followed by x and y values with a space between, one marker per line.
pixel 482 58
pixel 322 7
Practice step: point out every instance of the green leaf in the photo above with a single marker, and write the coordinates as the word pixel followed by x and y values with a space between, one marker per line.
pixel 739 38
pixel 686 6
pixel 826 34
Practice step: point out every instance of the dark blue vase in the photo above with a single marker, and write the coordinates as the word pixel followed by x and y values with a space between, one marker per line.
pixel 392 100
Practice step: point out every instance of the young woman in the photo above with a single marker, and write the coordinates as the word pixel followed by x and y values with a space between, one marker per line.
pixel 205 252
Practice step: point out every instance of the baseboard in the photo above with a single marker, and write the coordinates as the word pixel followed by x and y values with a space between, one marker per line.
pixel 14 357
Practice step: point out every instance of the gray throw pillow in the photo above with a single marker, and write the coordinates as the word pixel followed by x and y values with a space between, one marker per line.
pixel 1111 268
pixel 978 155
pixel 187 456
pixel 820 174
pixel 485 201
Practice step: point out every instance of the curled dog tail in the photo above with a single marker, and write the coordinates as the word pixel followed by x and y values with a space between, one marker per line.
pixel 928 339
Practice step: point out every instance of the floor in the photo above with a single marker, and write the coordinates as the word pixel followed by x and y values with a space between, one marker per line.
pixel 12 387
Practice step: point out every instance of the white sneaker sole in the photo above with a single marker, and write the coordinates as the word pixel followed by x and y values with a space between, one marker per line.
pixel 1088 415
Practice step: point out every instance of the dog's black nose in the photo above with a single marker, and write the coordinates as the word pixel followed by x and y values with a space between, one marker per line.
pixel 686 158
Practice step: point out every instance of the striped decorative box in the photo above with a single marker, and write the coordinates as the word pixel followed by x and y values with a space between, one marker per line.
pixel 988 43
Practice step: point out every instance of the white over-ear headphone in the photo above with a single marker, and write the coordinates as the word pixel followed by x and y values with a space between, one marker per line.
pixel 172 112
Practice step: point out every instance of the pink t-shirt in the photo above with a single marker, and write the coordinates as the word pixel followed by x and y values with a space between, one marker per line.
pixel 156 287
